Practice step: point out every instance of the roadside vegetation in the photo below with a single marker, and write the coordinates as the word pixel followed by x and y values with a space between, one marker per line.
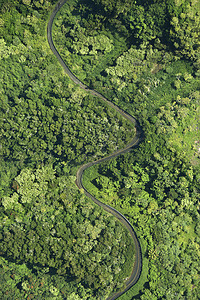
pixel 143 56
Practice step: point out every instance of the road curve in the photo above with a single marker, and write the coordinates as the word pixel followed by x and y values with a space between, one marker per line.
pixel 138 136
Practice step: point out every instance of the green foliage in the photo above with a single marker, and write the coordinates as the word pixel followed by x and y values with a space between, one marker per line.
pixel 54 242
pixel 146 25
pixel 184 27
pixel 113 8
pixel 162 200
pixel 48 225
pixel 92 45
pixel 44 118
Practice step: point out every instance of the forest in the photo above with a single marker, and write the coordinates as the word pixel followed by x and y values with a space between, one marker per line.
pixel 144 56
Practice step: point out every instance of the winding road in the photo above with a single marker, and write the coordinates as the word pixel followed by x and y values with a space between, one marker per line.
pixel 137 267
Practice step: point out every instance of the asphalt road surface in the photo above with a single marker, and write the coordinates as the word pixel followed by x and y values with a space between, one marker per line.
pixel 138 137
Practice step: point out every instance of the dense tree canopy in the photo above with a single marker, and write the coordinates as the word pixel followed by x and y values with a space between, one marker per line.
pixel 143 56
pixel 49 225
